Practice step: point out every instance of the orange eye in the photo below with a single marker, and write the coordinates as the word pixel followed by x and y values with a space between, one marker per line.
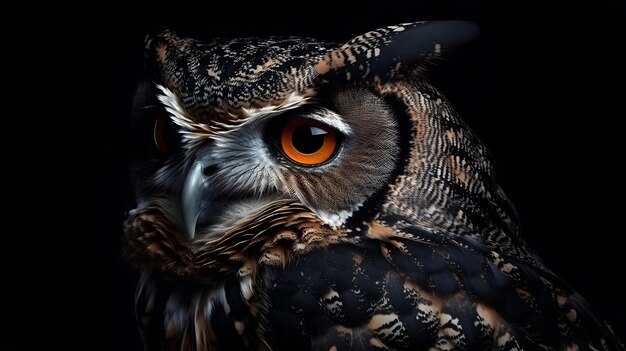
pixel 308 142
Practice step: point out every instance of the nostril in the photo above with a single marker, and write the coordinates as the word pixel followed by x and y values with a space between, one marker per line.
pixel 208 170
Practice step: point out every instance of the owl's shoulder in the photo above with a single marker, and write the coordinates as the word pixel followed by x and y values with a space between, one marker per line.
pixel 411 286
pixel 399 285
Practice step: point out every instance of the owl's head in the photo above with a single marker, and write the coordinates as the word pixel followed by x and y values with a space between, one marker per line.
pixel 234 134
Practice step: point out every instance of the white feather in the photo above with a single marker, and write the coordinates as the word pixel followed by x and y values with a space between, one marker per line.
pixel 191 129
pixel 336 219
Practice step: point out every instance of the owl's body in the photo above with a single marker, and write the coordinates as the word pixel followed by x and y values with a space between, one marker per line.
pixel 306 195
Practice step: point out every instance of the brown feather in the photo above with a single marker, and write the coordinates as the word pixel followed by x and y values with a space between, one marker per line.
pixel 271 236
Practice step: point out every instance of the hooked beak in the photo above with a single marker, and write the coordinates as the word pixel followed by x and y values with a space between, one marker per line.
pixel 197 195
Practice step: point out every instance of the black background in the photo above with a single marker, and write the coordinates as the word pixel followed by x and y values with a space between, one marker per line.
pixel 543 88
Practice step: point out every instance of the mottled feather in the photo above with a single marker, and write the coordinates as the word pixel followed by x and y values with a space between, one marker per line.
pixel 403 241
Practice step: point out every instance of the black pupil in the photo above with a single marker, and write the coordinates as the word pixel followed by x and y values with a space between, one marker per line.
pixel 308 139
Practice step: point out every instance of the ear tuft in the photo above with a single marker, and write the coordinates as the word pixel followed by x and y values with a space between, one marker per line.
pixel 387 51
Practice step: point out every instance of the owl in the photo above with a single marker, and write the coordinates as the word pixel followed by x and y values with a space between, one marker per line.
pixel 294 194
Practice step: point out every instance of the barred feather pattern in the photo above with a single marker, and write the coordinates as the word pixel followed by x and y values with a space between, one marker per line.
pixel 433 261
pixel 400 286
pixel 273 236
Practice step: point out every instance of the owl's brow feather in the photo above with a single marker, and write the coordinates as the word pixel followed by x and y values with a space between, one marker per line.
pixel 194 130
pixel 191 129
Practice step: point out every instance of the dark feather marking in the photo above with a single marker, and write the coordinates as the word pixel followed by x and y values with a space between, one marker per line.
pixel 354 309
pixel 227 336
pixel 444 283
pixel 239 309
pixel 394 286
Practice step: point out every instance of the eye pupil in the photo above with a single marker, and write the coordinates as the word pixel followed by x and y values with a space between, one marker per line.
pixel 308 139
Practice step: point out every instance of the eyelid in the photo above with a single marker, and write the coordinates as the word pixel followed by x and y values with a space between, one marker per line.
pixel 331 119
